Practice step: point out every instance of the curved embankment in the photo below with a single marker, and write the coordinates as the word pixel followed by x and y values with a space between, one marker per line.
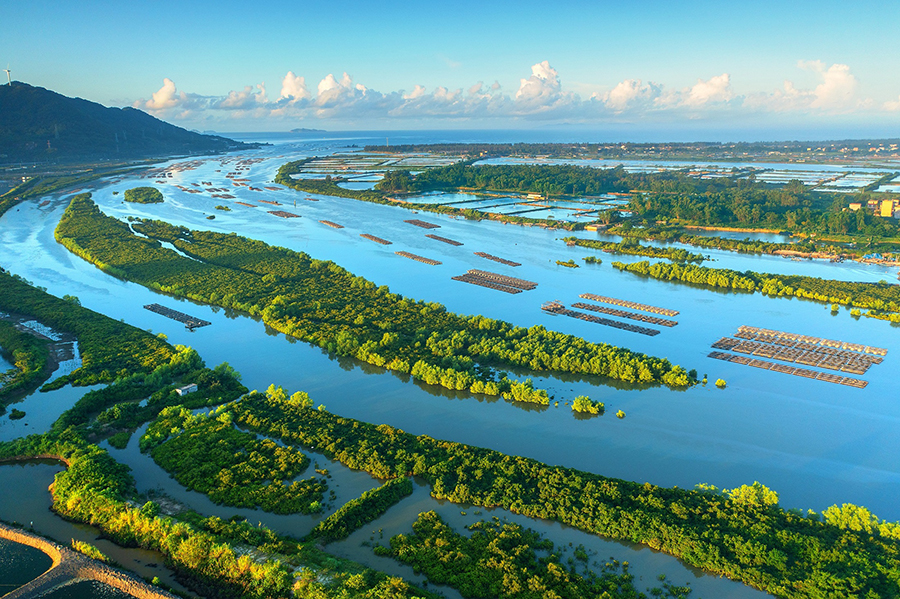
pixel 69 566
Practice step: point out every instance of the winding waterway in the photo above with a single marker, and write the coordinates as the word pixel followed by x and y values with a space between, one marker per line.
pixel 815 443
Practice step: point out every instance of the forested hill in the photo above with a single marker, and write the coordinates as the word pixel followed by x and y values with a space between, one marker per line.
pixel 37 124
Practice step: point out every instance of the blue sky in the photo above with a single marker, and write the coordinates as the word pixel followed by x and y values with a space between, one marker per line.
pixel 816 67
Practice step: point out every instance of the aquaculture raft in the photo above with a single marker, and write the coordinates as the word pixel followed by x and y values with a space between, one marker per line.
pixel 284 214
pixel 375 239
pixel 628 304
pixel 189 321
pixel 418 258
pixel 482 282
pixel 770 336
pixel 497 259
pixel 331 224
pixel 796 371
pixel 504 280
pixel 625 314
pixel 246 204
pixel 269 202
pixel 422 223
pixel 444 239
pixel 556 307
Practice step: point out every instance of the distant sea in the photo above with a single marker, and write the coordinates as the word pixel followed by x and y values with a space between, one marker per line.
pixel 569 134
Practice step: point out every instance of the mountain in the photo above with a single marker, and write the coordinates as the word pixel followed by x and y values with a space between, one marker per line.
pixel 37 124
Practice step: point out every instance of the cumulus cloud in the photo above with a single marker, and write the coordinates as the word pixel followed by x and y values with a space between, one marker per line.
pixel 166 97
pixel 541 95
pixel 293 88
pixel 836 92
pixel 629 94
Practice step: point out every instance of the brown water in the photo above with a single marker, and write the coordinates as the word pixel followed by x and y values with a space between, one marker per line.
pixel 30 507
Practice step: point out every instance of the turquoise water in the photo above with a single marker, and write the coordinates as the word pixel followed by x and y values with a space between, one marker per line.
pixel 815 443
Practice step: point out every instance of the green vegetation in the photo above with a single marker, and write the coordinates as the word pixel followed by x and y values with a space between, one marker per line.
pixel 16 414
pixel 585 405
pixel 28 355
pixel 878 296
pixel 36 187
pixel 721 384
pixel 358 512
pixel 620 414
pixel 379 195
pixel 742 535
pixel 108 348
pixel 568 263
pixel 634 248
pixel 676 234
pixel 501 560
pixel 592 260
pixel 223 208
pixel 206 453
pixel 209 555
pixel 322 303
pixel 89 550
pixel 144 195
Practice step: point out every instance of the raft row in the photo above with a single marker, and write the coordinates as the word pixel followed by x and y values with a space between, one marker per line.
pixel 793 340
pixel 504 280
pixel 498 259
pixel 417 258
pixel 844 361
pixel 796 371
pixel 269 202
pixel 476 280
pixel 422 223
pixel 444 239
pixel 555 307
pixel 375 239
pixel 628 304
pixel 284 214
pixel 246 204
pixel 331 224
pixel 624 314
pixel 188 320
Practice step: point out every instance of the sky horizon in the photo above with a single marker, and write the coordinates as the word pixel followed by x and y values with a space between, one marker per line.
pixel 648 70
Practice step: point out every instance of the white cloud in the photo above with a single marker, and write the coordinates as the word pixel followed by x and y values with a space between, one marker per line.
pixel 717 89
pixel 293 88
pixel 539 96
pixel 166 97
pixel 629 94
pixel 836 92
pixel 892 105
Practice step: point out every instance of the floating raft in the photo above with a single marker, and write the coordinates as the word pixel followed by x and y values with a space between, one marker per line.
pixel 627 304
pixel 624 314
pixel 375 239
pixel 503 279
pixel 497 259
pixel 556 307
pixel 284 214
pixel 246 204
pixel 422 223
pixel 273 188
pixel 269 201
pixel 331 224
pixel 444 239
pixel 311 199
pixel 482 282
pixel 422 259
pixel 794 339
pixel 796 371
pixel 189 321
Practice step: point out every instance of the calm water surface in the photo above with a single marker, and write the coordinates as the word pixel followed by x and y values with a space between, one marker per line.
pixel 815 443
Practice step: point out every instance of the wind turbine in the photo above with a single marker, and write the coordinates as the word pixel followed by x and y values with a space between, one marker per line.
pixel 8 79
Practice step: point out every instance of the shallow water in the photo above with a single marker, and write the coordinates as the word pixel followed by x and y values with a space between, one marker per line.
pixel 30 507
pixel 815 443
pixel 645 563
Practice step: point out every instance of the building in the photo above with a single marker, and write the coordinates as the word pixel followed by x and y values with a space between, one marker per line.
pixel 854 206
pixel 192 388
pixel 887 208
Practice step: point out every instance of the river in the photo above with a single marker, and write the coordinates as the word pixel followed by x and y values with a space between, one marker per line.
pixel 815 443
